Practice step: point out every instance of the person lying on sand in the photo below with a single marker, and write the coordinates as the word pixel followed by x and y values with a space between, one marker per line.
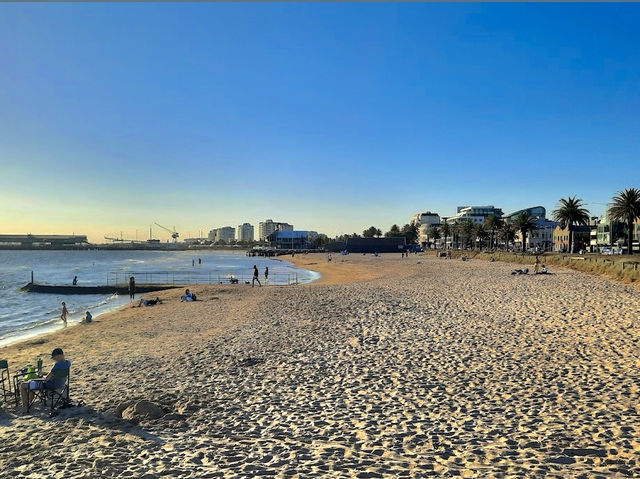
pixel 520 271
pixel 149 302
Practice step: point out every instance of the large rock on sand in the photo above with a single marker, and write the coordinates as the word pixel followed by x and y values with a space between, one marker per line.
pixel 143 410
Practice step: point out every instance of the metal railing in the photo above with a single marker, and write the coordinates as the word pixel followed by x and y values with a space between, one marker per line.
pixel 197 277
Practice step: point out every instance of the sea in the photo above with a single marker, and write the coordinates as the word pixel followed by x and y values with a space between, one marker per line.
pixel 24 315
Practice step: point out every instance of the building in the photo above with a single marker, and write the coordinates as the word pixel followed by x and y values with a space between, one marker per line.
pixel 289 239
pixel 265 228
pixel 581 237
pixel 394 244
pixel 424 221
pixel 226 234
pixel 477 214
pixel 535 211
pixel 609 232
pixel 244 232
pixel 541 238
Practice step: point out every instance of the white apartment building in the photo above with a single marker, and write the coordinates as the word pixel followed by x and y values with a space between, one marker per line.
pixel 540 238
pixel 424 221
pixel 477 214
pixel 226 234
pixel 265 228
pixel 244 232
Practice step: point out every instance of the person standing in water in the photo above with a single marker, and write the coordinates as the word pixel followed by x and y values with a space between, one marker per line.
pixel 75 281
pixel 256 273
pixel 132 288
pixel 266 275
pixel 63 316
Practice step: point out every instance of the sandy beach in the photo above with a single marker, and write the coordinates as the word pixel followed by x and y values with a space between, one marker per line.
pixel 386 367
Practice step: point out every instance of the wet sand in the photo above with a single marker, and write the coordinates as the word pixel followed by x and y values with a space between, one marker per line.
pixel 389 367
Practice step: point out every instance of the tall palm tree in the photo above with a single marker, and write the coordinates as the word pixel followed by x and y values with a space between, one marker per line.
pixel 507 233
pixel 492 223
pixel 446 231
pixel 625 206
pixel 525 223
pixel 434 234
pixel 570 212
pixel 480 234
pixel 466 228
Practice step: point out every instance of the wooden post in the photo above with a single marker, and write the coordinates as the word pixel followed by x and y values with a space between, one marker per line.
pixel 31 277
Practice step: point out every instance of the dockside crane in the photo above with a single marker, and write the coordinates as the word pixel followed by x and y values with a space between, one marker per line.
pixel 174 233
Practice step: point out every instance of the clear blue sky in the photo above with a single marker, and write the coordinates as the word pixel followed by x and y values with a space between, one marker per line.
pixel 332 117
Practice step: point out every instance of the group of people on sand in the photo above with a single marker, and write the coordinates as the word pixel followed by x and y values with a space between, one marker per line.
pixel 256 276
pixel 538 268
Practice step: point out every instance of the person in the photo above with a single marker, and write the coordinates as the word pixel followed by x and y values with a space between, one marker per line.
pixel 88 318
pixel 520 271
pixel 199 260
pixel 193 262
pixel 266 274
pixel 544 269
pixel 63 316
pixel 188 296
pixel 536 265
pixel 75 281
pixel 56 379
pixel 255 276
pixel 149 302
pixel 132 288
pixel 449 254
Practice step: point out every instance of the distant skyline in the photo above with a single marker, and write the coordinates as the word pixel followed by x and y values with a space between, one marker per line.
pixel 332 117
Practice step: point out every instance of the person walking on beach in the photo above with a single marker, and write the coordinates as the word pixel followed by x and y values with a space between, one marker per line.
pixel 256 273
pixel 266 275
pixel 132 288
pixel 63 316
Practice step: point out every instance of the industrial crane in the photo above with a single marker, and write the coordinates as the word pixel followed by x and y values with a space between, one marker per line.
pixel 174 233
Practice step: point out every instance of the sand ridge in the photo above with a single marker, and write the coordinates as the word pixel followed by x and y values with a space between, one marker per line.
pixel 423 366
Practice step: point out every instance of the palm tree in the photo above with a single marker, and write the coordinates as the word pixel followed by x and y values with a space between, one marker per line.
pixel 625 206
pixel 466 228
pixel 480 234
pixel 434 234
pixel 571 212
pixel 455 234
pixel 446 231
pixel 525 223
pixel 507 233
pixel 492 223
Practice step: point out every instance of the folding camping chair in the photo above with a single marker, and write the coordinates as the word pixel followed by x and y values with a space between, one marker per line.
pixel 56 397
pixel 5 379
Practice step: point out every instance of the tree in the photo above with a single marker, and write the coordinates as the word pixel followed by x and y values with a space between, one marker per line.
pixel 492 223
pixel 410 232
pixel 370 232
pixel 467 229
pixel 525 223
pixel 480 234
pixel 570 212
pixel 434 234
pixel 378 232
pixel 446 231
pixel 507 234
pixel 455 233
pixel 625 206
pixel 393 231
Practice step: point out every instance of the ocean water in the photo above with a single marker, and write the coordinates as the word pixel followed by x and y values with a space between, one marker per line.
pixel 27 314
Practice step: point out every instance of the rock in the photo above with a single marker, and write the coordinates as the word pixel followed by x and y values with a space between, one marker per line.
pixel 121 407
pixel 143 410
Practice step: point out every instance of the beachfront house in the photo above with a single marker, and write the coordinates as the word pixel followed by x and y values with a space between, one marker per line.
pixel 581 236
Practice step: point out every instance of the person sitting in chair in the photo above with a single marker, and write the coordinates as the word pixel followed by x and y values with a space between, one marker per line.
pixel 55 380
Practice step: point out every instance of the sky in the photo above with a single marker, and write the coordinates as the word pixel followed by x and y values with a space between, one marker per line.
pixel 332 117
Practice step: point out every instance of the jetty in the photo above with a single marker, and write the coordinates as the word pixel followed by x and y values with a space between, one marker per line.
pixel 106 289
